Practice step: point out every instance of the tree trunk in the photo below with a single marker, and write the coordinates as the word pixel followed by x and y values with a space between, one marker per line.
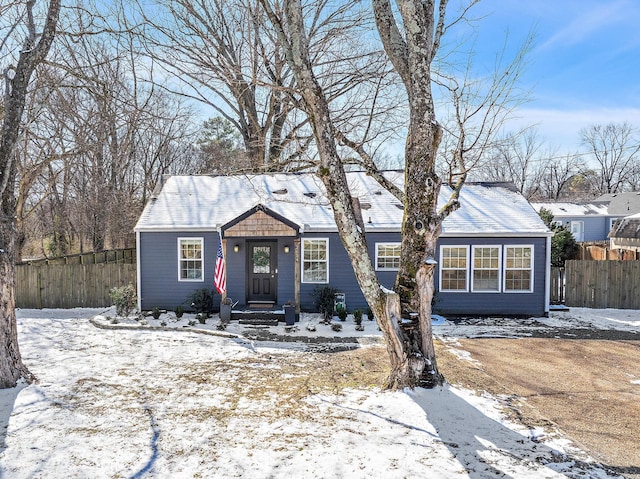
pixel 32 54
pixel 403 339
pixel 11 366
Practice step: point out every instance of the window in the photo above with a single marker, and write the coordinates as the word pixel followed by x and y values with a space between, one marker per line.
pixel 518 268
pixel 454 268
pixel 486 268
pixel 387 256
pixel 315 260
pixel 190 259
pixel 612 222
pixel 577 228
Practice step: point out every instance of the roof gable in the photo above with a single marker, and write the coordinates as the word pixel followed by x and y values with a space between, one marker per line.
pixel 259 221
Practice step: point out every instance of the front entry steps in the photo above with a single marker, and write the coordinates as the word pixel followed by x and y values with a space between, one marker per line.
pixel 264 315
pixel 261 304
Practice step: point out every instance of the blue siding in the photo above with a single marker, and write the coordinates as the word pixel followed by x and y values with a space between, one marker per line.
pixel 159 269
pixel 160 286
pixel 472 303
pixel 596 228
pixel 341 275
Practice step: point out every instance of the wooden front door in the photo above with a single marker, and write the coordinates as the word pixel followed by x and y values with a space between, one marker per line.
pixel 262 271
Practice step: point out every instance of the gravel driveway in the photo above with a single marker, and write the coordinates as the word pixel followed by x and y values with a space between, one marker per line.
pixel 568 371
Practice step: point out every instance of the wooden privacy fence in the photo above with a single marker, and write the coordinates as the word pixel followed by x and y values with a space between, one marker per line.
pixel 70 285
pixel 602 284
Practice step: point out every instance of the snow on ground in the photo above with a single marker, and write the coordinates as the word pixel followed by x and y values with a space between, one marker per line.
pixel 139 402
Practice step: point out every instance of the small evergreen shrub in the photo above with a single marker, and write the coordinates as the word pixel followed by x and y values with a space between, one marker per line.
pixel 155 312
pixel 357 316
pixel 342 313
pixel 336 326
pixel 179 310
pixel 369 313
pixel 324 298
pixel 124 299
pixel 201 300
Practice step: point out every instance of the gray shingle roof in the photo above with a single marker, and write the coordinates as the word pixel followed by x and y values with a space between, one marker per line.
pixel 208 202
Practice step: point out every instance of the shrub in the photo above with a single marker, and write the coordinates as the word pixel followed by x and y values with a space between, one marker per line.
pixel 155 312
pixel 342 313
pixel 124 299
pixel 357 316
pixel 179 310
pixel 336 326
pixel 369 313
pixel 202 301
pixel 324 298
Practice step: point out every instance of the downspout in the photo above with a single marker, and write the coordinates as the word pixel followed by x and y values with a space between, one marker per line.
pixel 547 288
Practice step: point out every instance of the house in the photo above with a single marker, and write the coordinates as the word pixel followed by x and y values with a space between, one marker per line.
pixel 280 242
pixel 593 221
pixel 587 221
pixel 625 234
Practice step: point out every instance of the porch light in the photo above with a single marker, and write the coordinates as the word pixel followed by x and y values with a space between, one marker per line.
pixel 236 248
pixel 286 248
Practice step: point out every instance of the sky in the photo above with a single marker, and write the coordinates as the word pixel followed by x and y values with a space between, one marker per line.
pixel 583 68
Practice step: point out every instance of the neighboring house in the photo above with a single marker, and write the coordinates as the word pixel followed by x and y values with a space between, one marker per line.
pixel 593 221
pixel 621 204
pixel 280 242
pixel 626 233
pixel 587 221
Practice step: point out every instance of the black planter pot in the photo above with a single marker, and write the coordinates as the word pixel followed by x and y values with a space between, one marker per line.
pixel 289 315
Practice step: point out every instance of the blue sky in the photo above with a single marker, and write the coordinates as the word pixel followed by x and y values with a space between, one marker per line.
pixel 584 67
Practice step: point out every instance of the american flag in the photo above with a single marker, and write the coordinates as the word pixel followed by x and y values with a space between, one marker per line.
pixel 220 278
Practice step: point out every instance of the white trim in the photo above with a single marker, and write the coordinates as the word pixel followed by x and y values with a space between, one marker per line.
pixel 392 244
pixel 466 247
pixel 499 268
pixel 180 259
pixel 138 272
pixel 505 269
pixel 547 289
pixel 577 222
pixel 326 242
pixel 496 234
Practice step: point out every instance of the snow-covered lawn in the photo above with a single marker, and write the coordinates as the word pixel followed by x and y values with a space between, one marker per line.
pixel 136 403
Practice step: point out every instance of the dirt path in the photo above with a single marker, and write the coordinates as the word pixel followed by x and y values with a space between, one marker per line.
pixel 589 388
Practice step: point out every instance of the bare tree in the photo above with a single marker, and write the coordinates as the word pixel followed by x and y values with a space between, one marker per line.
pixel 557 175
pixel 515 158
pixel 228 58
pixel 615 147
pixel 411 42
pixel 16 77
pixel 104 137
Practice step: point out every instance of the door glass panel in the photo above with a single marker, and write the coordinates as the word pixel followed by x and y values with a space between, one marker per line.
pixel 261 258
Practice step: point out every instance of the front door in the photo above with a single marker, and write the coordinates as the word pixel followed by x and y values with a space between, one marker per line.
pixel 262 271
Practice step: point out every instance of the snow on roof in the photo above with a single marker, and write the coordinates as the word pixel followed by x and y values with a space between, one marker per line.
pixel 209 202
pixel 573 209
pixel 628 227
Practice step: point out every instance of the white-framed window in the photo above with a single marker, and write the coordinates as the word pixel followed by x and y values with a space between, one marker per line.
pixel 315 260
pixel 454 268
pixel 612 221
pixel 518 268
pixel 190 259
pixel 485 266
pixel 577 229
pixel 387 256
